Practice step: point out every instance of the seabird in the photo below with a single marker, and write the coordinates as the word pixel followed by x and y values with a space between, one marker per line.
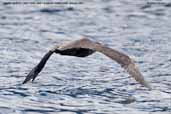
pixel 85 47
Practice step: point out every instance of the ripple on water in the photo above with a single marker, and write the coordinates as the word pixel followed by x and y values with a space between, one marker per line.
pixel 55 11
pixel 95 85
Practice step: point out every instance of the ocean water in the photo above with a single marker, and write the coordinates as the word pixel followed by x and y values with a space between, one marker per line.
pixel 91 85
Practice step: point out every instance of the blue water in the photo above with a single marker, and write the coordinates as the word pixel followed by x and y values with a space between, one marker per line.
pixel 92 85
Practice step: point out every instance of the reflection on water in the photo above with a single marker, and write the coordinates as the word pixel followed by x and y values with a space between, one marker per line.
pixel 70 85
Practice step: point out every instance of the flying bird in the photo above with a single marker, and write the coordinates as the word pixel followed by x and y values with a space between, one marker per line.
pixel 85 47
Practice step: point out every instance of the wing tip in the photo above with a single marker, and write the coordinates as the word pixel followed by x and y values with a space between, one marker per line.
pixel 31 75
pixel 28 78
pixel 24 82
pixel 134 72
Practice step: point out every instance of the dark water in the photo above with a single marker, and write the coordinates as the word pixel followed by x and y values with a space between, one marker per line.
pixel 95 85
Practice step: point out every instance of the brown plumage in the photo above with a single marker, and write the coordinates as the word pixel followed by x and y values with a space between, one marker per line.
pixel 85 47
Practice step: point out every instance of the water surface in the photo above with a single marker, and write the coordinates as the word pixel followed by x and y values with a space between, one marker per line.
pixel 92 85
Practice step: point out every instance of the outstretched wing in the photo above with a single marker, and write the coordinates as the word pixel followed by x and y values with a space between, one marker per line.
pixel 125 61
pixel 36 70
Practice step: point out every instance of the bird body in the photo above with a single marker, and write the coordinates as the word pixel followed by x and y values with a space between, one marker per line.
pixel 78 52
pixel 85 47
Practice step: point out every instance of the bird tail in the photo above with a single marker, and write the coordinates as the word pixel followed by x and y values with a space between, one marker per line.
pixel 36 70
pixel 134 71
